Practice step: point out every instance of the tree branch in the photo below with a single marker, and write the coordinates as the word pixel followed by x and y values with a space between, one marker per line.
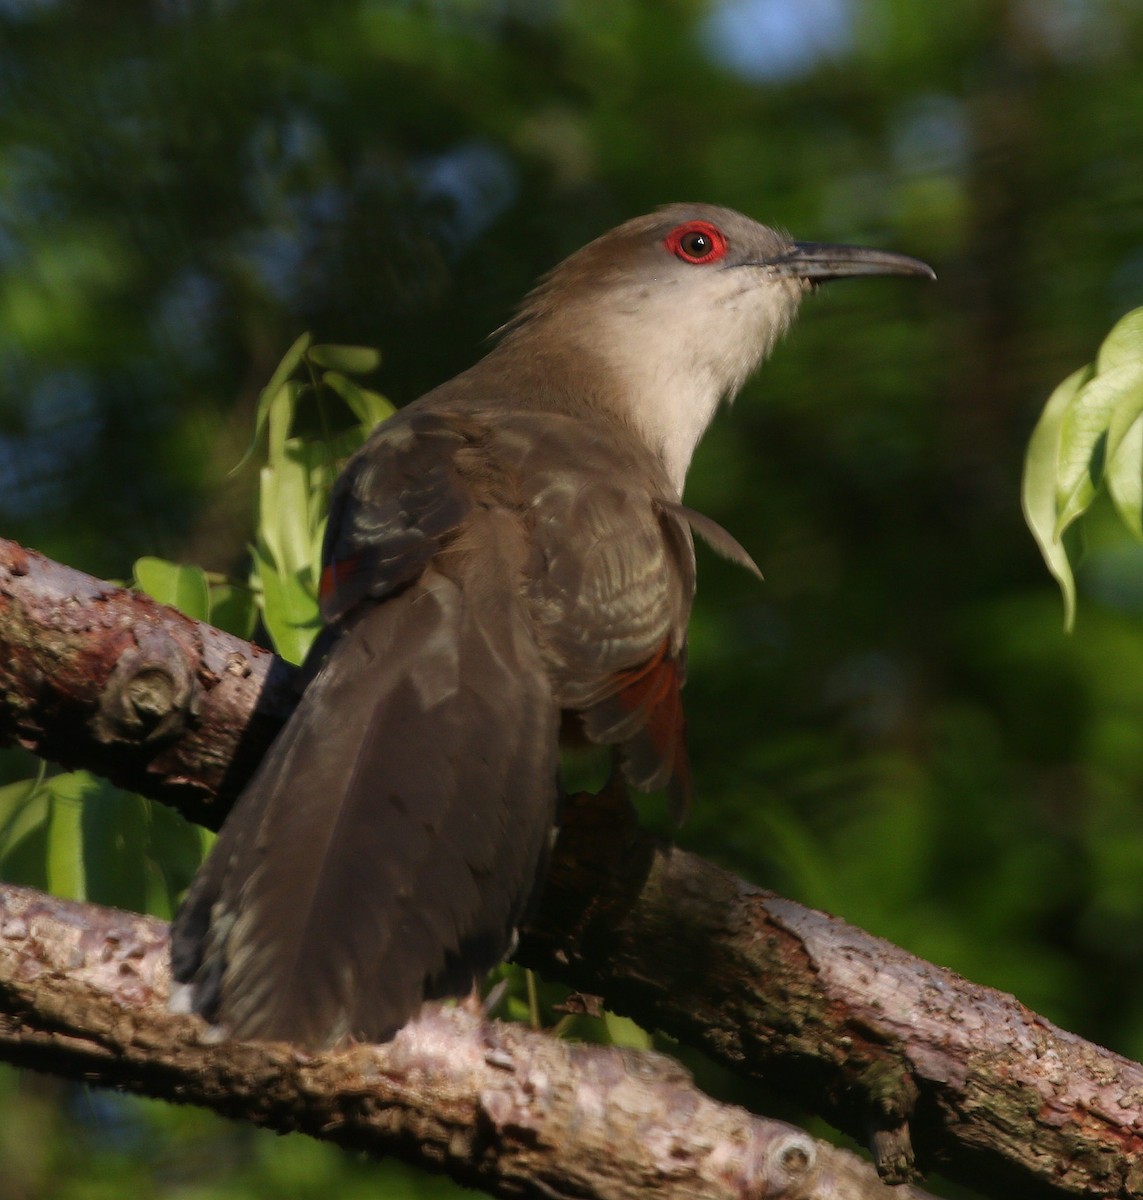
pixel 934 1070
pixel 924 1064
pixel 102 677
pixel 83 993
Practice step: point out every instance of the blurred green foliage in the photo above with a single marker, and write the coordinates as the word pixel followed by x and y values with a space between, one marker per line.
pixel 893 726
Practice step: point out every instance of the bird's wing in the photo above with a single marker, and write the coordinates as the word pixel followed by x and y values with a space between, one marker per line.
pixel 388 844
pixel 391 507
pixel 610 582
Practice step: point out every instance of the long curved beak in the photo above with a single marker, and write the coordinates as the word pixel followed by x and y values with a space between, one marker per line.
pixel 818 261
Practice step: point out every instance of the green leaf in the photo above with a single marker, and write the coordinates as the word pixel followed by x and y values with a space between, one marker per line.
pixel 114 844
pixel 1128 404
pixel 14 801
pixel 622 1031
pixel 281 410
pixel 284 518
pixel 272 392
pixel 23 831
pixel 1090 434
pixel 339 448
pixel 1125 479
pixel 352 360
pixel 182 587
pixel 292 502
pixel 1038 492
pixel 23 848
pixel 233 608
pixel 370 408
pixel 289 364
pixel 289 607
pixel 66 871
pixel 79 836
pixel 1124 344
pixel 1122 349
pixel 177 848
pixel 1086 433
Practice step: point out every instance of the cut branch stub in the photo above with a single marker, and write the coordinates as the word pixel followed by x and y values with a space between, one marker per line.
pixel 102 677
pixel 151 695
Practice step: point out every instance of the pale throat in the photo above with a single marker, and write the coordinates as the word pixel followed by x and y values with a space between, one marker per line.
pixel 671 406
pixel 674 374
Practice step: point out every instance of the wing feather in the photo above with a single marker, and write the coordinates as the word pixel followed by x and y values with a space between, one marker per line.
pixel 389 843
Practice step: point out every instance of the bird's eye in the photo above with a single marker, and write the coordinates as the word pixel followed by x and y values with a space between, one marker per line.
pixel 696 242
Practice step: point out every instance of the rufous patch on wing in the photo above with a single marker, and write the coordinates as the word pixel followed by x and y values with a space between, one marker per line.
pixel 335 576
pixel 652 688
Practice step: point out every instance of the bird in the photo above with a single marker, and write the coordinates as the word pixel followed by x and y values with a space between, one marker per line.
pixel 506 556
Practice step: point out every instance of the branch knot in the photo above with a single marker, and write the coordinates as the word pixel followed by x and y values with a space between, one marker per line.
pixel 150 696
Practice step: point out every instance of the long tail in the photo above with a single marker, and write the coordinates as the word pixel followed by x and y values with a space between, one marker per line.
pixel 392 838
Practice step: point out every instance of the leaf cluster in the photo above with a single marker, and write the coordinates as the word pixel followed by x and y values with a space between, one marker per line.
pixel 1089 438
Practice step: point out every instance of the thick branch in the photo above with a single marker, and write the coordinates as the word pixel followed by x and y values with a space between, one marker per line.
pixel 83 990
pixel 98 676
pixel 885 1044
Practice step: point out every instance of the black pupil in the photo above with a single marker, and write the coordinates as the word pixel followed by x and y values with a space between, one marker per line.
pixel 696 244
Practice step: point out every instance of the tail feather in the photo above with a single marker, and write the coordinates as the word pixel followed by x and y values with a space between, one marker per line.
pixel 388 845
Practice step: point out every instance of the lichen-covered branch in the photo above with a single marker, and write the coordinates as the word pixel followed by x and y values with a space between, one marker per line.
pixel 499 1107
pixel 932 1070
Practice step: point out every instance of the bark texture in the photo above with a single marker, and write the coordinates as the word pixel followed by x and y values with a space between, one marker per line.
pixel 83 993
pixel 98 676
pixel 932 1070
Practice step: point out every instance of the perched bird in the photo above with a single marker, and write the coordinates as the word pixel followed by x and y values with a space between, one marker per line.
pixel 506 551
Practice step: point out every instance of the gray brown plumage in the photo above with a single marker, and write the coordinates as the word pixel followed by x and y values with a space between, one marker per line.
pixel 506 550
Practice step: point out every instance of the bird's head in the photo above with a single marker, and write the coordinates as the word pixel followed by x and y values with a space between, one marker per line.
pixel 681 305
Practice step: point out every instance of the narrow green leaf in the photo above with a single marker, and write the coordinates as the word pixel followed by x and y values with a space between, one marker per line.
pixel 370 408
pixel 1038 492
pixel 282 372
pixel 115 850
pixel 378 408
pixel 289 364
pixel 289 608
pixel 177 848
pixel 183 587
pixel 282 409
pixel 353 360
pixel 267 530
pixel 316 547
pixel 66 873
pixel 288 511
pixel 1124 344
pixel 24 833
pixel 23 807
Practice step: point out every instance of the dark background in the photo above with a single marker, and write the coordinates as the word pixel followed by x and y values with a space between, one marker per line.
pixel 894 726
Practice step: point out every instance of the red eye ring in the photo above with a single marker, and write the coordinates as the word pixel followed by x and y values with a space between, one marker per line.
pixel 696 242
